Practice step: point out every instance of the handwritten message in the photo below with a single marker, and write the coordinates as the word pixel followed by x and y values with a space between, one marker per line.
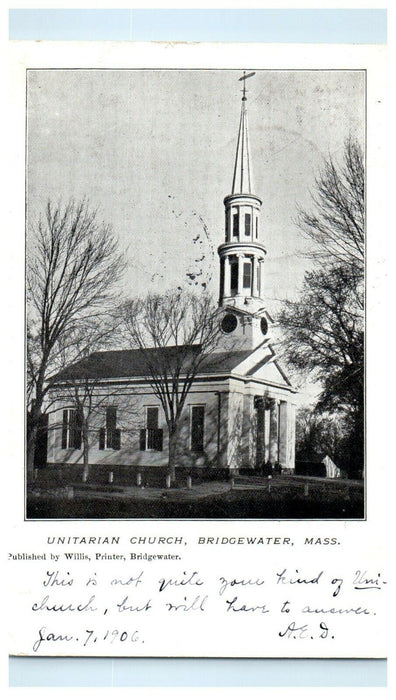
pixel 137 608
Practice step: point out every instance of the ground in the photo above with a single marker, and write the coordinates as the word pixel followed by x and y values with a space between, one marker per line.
pixel 282 497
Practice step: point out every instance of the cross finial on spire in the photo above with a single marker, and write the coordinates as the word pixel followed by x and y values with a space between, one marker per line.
pixel 242 181
pixel 244 77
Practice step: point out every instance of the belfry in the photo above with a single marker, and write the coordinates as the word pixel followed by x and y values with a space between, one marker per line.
pixel 242 254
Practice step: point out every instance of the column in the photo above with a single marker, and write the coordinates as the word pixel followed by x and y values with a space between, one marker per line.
pixel 282 433
pixel 240 274
pixel 274 427
pixel 260 435
pixel 291 448
pixel 260 276
pixel 227 277
pixel 253 280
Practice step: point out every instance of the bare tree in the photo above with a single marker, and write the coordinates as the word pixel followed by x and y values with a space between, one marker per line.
pixel 73 266
pixel 77 389
pixel 324 327
pixel 80 395
pixel 174 332
pixel 324 330
pixel 337 223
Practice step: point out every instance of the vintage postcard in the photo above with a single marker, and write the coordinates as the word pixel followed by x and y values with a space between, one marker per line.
pixel 202 464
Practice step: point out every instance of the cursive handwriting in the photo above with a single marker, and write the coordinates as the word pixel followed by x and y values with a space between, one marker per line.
pixel 187 580
pixel 234 606
pixel 44 636
pixel 132 581
pixel 363 582
pixel 126 606
pixel 87 637
pixel 298 605
pixel 291 580
pixel 296 631
pixel 238 582
pixel 197 604
pixel 48 606
pixel 53 578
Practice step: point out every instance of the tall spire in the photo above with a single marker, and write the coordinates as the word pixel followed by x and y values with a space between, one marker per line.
pixel 242 182
pixel 242 254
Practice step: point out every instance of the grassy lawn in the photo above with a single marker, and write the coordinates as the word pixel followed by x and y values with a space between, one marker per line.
pixel 286 501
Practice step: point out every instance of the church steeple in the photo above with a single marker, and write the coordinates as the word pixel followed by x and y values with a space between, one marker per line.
pixel 242 254
pixel 242 180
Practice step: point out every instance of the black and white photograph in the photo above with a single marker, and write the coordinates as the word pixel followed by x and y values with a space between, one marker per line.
pixel 195 293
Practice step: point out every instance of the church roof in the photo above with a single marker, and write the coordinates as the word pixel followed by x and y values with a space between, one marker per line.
pixel 114 364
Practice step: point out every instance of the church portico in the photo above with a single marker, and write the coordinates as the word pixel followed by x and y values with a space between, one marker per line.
pixel 269 425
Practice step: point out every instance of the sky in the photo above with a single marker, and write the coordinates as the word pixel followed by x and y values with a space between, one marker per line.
pixel 154 150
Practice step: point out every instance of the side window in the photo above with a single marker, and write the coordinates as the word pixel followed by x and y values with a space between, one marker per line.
pixel 71 429
pixel 111 425
pixel 151 437
pixel 197 428
pixel 152 417
pixel 110 436
pixel 65 428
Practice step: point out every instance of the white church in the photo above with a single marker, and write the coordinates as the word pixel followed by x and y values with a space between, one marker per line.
pixel 240 410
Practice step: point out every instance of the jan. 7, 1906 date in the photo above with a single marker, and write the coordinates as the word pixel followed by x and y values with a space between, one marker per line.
pixel 86 638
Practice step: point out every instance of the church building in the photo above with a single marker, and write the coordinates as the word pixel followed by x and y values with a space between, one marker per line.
pixel 240 410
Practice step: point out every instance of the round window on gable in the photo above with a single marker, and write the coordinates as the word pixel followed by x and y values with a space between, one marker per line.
pixel 229 323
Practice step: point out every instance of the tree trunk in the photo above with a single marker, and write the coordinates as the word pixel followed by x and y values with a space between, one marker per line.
pixel 33 422
pixel 173 435
pixel 30 451
pixel 85 440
